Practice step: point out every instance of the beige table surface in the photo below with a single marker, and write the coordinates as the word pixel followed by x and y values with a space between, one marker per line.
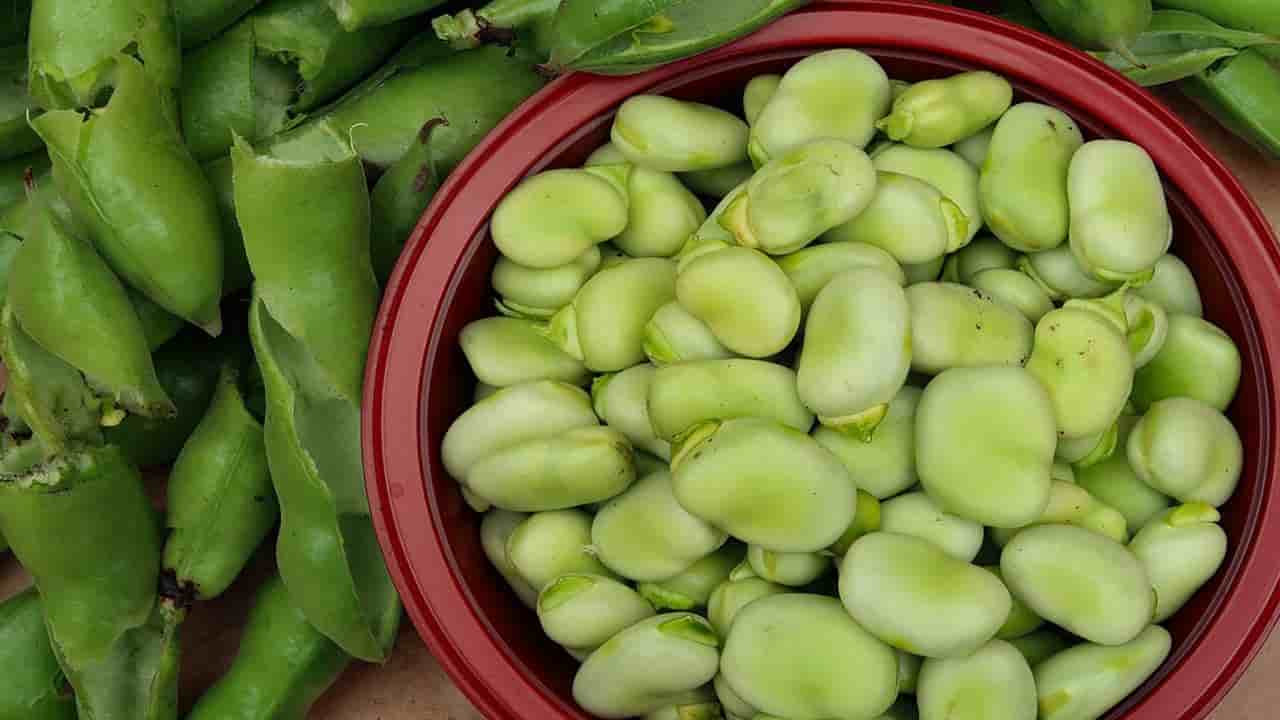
pixel 413 687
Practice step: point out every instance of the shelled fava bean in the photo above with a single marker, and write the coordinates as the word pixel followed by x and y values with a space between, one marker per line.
pixel 772 438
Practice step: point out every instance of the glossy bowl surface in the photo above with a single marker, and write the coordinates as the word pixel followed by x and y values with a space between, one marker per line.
pixel 418 382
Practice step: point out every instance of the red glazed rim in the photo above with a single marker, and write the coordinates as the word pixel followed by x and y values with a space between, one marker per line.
pixel 406 339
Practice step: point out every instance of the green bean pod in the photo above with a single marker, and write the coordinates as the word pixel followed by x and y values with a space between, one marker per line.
pixel 1097 24
pixel 812 268
pixel 1087 680
pixel 914 596
pixel 1258 16
pixel 424 80
pixel 582 611
pixel 356 15
pixel 886 465
pixel 83 527
pixel 620 679
pixel 685 395
pixel 220 501
pixel 120 170
pixel 1241 92
pixel 1084 582
pixel 13 187
pixel 497 21
pixel 282 667
pixel 34 686
pixel 725 472
pixel 995 683
pixel 984 441
pixel 504 351
pixel 16 21
pixel 629 37
pixel 199 21
pixel 801 194
pixel 908 218
pixel 824 665
pixel 936 113
pixel 1182 549
pixel 836 94
pixel 857 351
pixel 1023 184
pixel 1120 224
pixel 283 59
pixel 744 297
pixel 916 514
pixel 309 337
pixel 1114 482
pixel 66 298
pixel 951 174
pixel 76 51
pixel 540 292
pixel 670 135
pixel 605 324
pixel 693 588
pixel 956 326
pixel 16 136
pixel 1187 450
pixel 1197 360
pixel 673 335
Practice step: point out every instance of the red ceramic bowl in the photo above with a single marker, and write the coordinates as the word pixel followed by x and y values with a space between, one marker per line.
pixel 418 380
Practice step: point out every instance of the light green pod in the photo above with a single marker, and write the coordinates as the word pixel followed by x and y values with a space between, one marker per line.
pixel 1070 504
pixel 1120 224
pixel 916 514
pixel 718 182
pixel 1187 450
pixel 923 272
pixel 802 656
pixel 698 704
pixel 1148 328
pixel 908 218
pixel 605 323
pixel 812 268
pixel 984 253
pixel 975 147
pixel 886 465
pixel 731 702
pixel 1173 287
pixel 1114 482
pixel 995 683
pixel 913 595
pixel 577 467
pixel 837 94
pixel 674 335
pixel 1085 681
pixel 549 544
pixel 582 611
pixel 504 351
pixel 733 595
pixel 621 679
pixel 511 416
pixel 622 401
pixel 662 213
pixel 645 535
pixel 957 326
pixel 764 483
pixel 1181 548
pixel 857 350
pixel 1083 361
pixel 760 89
pixel 1042 644
pixel 1061 276
pixel 939 112
pixel 799 195
pixel 1021 621
pixel 1014 289
pixel 554 217
pixel 1023 186
pixel 744 297
pixel 693 588
pixel 688 394
pixel 1084 582
pixel 951 174
pixel 866 519
pixel 495 530
pixel 791 569
pixel 984 444
pixel 662 133
pixel 1197 360
pixel 540 292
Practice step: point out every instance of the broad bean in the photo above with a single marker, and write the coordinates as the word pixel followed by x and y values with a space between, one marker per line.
pixel 1113 481
pixel 673 335
pixel 622 401
pixel 662 212
pixel 1181 550
pixel 699 704
pixel 718 182
pixel 1085 681
pixel 1042 644
pixel 582 611
pixel 812 268
pixel 744 297
pixel 647 535
pixel 908 218
pixel 733 595
pixel 1061 276
pixel 886 465
pixel 549 544
pixel 686 395
pixel 495 530
pixel 1070 504
pixel 730 702
pixel 916 514
pixel 924 272
pixel 866 519
pixel 951 174
pixel 540 292
pixel 1197 360
pixel 1187 450
pixel 984 442
pixel 798 655
pixel 956 326
pixel 785 568
pixel 693 588
pixel 1083 360
pixel 908 672
pixel 1173 287
pixel 577 467
pixel 1016 289
pixel 995 683
pixel 662 133
pixel 1084 582
pixel 1022 620
pixel 975 147
pixel 984 253
pixel 911 594
pixel 759 90
pixel 1148 328
pixel 554 217
pixel 504 351
pixel 1120 224
pixel 939 112
pixel 604 326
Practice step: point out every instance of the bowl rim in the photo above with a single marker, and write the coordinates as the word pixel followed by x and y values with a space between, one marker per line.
pixel 438 603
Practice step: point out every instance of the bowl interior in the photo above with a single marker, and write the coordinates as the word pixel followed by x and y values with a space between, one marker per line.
pixel 449 385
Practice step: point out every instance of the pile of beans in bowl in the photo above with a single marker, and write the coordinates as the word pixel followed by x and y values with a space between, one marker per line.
pixel 885 400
